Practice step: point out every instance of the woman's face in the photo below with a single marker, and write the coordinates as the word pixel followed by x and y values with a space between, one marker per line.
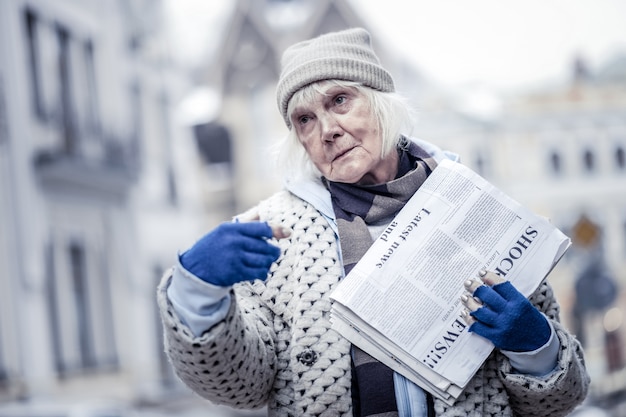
pixel 340 134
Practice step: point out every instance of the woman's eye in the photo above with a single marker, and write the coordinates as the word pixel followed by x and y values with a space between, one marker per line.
pixel 303 119
pixel 340 99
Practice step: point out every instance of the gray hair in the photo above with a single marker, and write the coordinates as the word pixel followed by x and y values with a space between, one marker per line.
pixel 395 118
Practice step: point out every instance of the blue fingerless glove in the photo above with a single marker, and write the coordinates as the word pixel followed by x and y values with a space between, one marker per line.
pixel 509 320
pixel 231 253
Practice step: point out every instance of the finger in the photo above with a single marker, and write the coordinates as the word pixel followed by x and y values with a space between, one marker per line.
pixel 249 216
pixel 260 261
pixel 491 298
pixel 280 232
pixel 470 302
pixel 263 229
pixel 254 229
pixel 259 246
pixel 469 320
pixel 481 329
pixel 508 291
pixel 254 273
pixel 490 278
pixel 485 316
pixel 472 284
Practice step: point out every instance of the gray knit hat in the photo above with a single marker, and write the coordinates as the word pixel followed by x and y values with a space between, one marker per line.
pixel 346 55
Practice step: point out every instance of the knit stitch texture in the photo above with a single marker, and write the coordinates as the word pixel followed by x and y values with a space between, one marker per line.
pixel 276 346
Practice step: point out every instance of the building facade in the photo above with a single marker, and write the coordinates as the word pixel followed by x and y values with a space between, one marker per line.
pixel 98 192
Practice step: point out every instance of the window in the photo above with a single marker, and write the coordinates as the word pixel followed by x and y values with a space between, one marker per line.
pixel 80 297
pixel 480 165
pixel 214 142
pixel 589 161
pixel 80 311
pixel 555 163
pixel 53 308
pixel 172 190
pixel 63 80
pixel 620 158
pixel 68 122
pixel 32 24
pixel 137 111
pixel 93 112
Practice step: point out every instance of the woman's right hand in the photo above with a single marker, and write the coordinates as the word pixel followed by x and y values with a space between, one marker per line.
pixel 233 252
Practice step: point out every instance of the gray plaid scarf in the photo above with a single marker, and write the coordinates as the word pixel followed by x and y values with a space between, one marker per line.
pixel 356 207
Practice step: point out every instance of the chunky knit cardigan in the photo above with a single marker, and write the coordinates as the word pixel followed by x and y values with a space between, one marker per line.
pixel 276 346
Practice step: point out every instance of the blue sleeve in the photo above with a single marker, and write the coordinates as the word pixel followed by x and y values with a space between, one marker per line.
pixel 539 362
pixel 200 305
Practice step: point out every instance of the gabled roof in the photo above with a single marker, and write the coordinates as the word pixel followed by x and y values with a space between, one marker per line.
pixel 258 32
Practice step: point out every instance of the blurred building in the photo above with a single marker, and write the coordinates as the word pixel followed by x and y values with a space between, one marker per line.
pixel 98 191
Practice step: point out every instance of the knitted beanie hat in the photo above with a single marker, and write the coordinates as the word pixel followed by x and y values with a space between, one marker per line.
pixel 346 55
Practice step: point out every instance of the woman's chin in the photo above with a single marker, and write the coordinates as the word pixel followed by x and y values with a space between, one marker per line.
pixel 348 178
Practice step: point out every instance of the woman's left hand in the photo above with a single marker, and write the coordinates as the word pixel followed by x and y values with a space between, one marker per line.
pixel 501 314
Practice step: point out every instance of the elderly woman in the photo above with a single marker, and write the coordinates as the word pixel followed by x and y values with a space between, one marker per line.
pixel 246 309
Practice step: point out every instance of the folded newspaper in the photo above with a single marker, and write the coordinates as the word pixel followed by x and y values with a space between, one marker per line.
pixel 401 302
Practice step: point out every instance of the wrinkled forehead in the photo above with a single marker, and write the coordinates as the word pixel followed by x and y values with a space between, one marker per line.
pixel 307 95
pixel 311 93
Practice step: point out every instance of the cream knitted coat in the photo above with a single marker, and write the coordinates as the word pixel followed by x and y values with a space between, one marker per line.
pixel 276 346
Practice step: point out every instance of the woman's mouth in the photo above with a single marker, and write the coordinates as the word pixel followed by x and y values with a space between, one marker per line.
pixel 342 153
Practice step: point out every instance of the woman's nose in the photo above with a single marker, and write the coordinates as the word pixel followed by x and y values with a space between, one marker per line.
pixel 331 129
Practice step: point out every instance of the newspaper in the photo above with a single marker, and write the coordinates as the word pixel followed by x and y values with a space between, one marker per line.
pixel 401 302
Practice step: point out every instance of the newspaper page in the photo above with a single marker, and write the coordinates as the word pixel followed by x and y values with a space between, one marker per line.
pixel 401 302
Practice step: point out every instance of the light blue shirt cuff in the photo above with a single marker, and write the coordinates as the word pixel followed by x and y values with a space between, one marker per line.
pixel 539 362
pixel 199 304
pixel 410 398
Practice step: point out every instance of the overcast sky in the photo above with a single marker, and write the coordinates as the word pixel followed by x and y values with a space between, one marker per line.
pixel 501 42
pixel 498 43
